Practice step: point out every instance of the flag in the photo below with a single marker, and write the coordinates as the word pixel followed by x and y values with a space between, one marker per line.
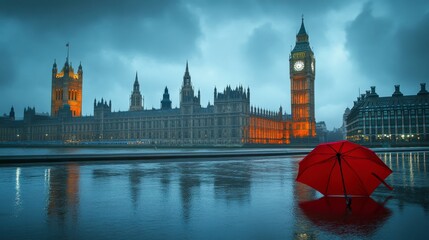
pixel 67 44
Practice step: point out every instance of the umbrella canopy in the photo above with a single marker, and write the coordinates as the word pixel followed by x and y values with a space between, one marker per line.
pixel 342 168
pixel 330 213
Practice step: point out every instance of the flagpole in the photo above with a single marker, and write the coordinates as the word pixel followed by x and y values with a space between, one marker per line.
pixel 68 50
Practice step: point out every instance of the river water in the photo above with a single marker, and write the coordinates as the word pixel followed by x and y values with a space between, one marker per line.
pixel 254 198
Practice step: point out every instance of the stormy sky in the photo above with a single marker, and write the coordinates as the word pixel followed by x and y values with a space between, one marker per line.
pixel 357 44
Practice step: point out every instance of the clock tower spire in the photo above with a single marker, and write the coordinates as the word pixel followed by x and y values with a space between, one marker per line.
pixel 302 75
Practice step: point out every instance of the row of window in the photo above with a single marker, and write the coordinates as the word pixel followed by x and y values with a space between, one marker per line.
pixel 201 134
pixel 72 94
pixel 154 123
pixel 396 112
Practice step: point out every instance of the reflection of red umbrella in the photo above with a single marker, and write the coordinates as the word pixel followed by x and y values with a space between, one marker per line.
pixel 331 214
pixel 343 168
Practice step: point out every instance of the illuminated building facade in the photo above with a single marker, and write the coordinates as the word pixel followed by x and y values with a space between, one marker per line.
pixel 267 127
pixel 66 89
pixel 229 121
pixel 390 121
pixel 302 66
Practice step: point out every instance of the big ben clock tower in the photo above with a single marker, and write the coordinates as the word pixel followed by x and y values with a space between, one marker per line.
pixel 302 73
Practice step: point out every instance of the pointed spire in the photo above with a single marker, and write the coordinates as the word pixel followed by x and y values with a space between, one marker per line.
pixel 302 36
pixel 66 64
pixel 165 102
pixel 54 68
pixel 136 85
pixel 187 76
pixel 12 113
pixel 302 43
pixel 302 29
pixel 68 51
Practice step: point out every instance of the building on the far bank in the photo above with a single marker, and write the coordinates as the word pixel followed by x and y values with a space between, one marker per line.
pixel 322 131
pixel 390 121
pixel 343 127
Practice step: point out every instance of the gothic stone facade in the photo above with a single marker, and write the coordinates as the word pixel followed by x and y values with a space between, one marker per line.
pixel 222 123
pixel 230 120
pixel 66 89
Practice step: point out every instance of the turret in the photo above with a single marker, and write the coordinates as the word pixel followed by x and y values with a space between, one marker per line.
pixel 101 108
pixel 136 86
pixel 302 35
pixel 397 92
pixel 188 101
pixel 166 102
pixel 231 100
pixel 54 68
pixel 423 90
pixel 66 88
pixel 66 67
pixel 12 113
pixel 136 99
pixel 187 76
pixel 80 71
pixel 372 93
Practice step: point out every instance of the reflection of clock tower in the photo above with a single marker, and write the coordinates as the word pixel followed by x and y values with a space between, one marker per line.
pixel 302 73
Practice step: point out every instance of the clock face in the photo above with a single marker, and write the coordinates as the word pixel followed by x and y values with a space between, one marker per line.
pixel 298 66
pixel 312 66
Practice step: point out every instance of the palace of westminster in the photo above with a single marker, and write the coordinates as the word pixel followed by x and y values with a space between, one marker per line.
pixel 229 121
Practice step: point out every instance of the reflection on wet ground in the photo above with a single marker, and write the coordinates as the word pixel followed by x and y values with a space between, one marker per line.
pixel 410 178
pixel 331 213
pixel 248 198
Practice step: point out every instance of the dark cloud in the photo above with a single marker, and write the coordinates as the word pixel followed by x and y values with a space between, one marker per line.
pixel 106 36
pixel 65 14
pixel 7 68
pixel 389 49
pixel 264 48
pixel 166 29
pixel 173 35
pixel 221 11
pixel 413 54
pixel 247 42
pixel 370 42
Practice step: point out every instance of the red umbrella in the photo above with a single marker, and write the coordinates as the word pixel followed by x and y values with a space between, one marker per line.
pixel 343 168
pixel 330 213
